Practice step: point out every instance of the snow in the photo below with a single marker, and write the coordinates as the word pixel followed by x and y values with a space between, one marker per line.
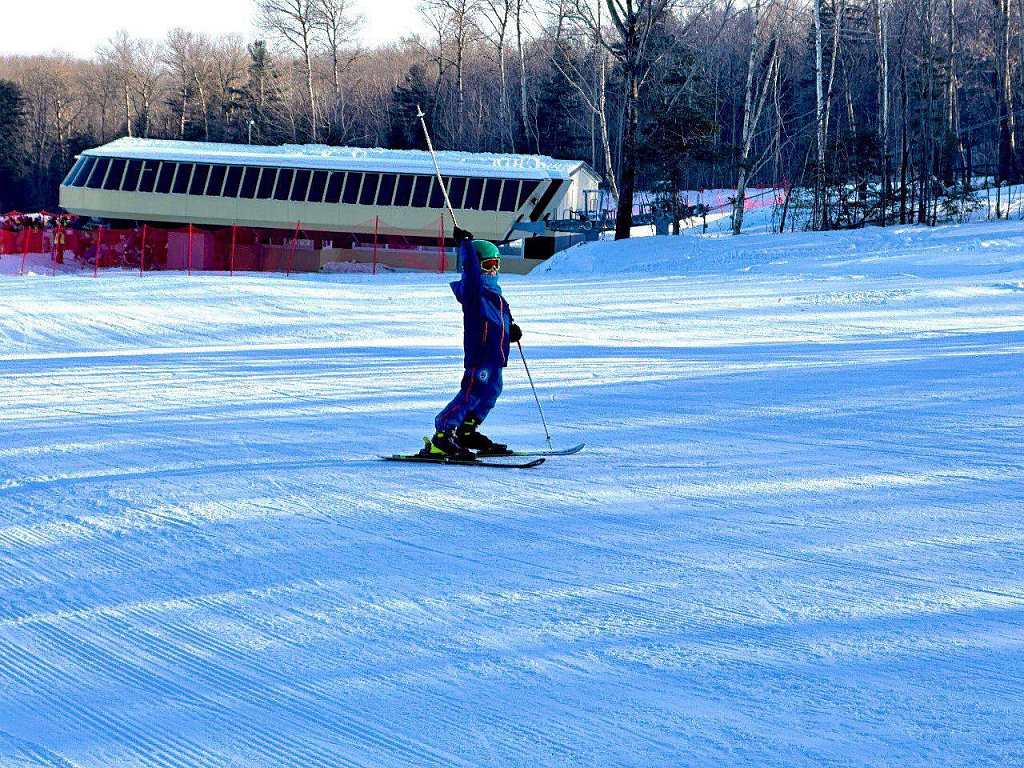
pixel 344 158
pixel 795 537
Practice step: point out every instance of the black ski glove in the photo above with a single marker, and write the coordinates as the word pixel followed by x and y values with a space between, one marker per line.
pixel 462 234
pixel 515 333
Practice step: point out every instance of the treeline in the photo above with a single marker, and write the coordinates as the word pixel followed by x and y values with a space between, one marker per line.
pixel 862 110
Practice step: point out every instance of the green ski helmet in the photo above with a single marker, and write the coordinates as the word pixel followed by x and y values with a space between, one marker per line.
pixel 490 256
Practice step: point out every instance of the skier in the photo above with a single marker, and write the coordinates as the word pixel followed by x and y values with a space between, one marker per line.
pixel 488 330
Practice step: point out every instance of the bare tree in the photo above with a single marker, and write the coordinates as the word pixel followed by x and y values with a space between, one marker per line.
pixel 295 23
pixel 339 24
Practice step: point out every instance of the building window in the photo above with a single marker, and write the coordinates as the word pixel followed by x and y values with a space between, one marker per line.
pixel 300 186
pixel 403 191
pixel 84 171
pixel 95 180
pixel 316 186
pixel 147 180
pixel 491 190
pixel 474 191
pixel 437 193
pixel 284 183
pixel 333 194
pixel 113 179
pixel 351 194
pixel 182 179
pixel 509 195
pixel 528 188
pixel 165 177
pixel 387 189
pixel 199 177
pixel 131 175
pixel 369 192
pixel 268 178
pixel 69 180
pixel 232 181
pixel 216 180
pixel 420 191
pixel 456 191
pixel 249 180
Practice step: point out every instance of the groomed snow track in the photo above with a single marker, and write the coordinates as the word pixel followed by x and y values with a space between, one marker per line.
pixel 795 538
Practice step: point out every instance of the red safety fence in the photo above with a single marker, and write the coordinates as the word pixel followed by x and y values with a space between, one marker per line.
pixel 46 242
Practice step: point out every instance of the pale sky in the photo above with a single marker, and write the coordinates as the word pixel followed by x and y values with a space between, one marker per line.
pixel 78 26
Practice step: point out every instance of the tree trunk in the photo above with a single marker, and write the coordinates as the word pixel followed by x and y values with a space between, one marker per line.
pixel 624 213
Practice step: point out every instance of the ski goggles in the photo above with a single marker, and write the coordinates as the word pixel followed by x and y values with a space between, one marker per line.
pixel 491 264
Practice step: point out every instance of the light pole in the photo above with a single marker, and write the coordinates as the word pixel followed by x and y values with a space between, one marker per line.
pixel 251 124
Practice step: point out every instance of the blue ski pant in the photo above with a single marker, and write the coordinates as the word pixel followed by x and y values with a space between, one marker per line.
pixel 477 396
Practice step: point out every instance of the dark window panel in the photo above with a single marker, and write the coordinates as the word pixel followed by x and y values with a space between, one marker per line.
pixel 351 194
pixel 284 183
pixel 249 179
pixel 265 190
pixel 334 185
pixel 165 177
pixel 474 191
pixel 300 186
pixel 403 191
pixel 437 194
pixel 316 186
pixel 420 191
pixel 131 175
pixel 369 193
pixel 147 181
pixel 216 181
pixel 115 174
pixel 509 195
pixel 528 188
pixel 491 190
pixel 83 172
pixel 69 180
pixel 199 177
pixel 99 170
pixel 232 181
pixel 181 180
pixel 456 191
pixel 387 189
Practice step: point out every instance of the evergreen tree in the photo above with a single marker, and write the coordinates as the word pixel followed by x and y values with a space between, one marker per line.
pixel 259 100
pixel 404 131
pixel 559 132
pixel 12 145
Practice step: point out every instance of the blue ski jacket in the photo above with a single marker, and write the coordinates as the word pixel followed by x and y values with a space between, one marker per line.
pixel 487 319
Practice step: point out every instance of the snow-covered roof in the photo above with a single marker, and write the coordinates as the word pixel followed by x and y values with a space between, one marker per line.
pixel 344 158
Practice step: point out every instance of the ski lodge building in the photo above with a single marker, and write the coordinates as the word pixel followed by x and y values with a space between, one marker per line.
pixel 323 203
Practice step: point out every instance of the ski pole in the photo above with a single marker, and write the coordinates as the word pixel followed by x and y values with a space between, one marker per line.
pixel 430 145
pixel 539 409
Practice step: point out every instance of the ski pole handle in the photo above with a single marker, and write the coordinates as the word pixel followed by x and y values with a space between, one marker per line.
pixel 540 410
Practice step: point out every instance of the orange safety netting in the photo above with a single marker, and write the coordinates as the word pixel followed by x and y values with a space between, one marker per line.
pixel 65 243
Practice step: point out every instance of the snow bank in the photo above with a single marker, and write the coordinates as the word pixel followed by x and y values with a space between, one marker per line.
pixel 981 248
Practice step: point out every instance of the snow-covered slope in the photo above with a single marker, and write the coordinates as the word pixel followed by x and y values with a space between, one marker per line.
pixel 795 537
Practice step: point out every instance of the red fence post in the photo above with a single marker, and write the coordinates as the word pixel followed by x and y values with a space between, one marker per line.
pixel 142 254
pixel 234 239
pixel 291 256
pixel 376 226
pixel 99 247
pixel 190 249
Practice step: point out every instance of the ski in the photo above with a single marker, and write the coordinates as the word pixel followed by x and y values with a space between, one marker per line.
pixel 556 452
pixel 412 457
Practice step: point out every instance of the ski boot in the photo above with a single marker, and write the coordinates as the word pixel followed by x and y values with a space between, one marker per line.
pixel 468 437
pixel 445 445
